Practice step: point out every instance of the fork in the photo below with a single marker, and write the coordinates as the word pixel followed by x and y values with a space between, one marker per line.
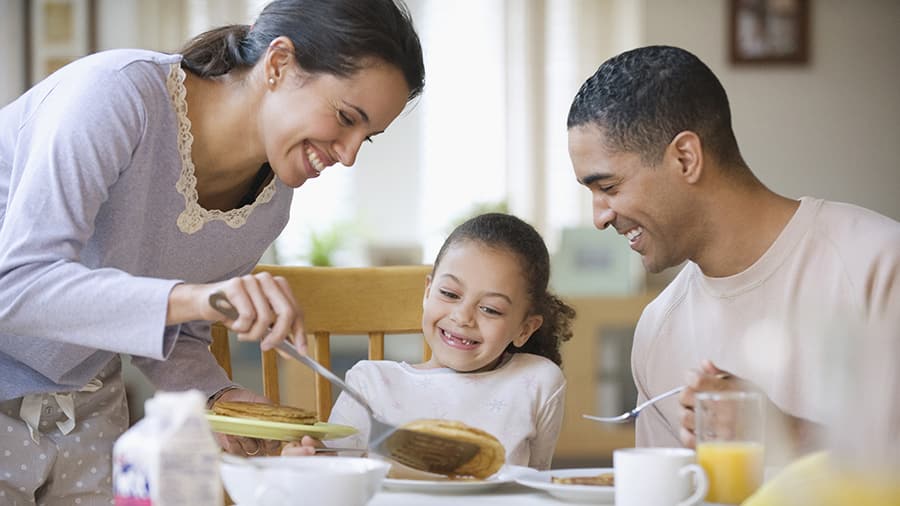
pixel 630 415
pixel 418 450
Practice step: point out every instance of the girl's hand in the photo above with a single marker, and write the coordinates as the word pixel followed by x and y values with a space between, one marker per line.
pixel 239 445
pixel 267 310
pixel 305 447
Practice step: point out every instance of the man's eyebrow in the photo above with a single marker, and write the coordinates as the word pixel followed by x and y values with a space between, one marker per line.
pixel 593 178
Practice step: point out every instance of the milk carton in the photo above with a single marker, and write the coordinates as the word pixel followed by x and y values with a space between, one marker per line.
pixel 170 457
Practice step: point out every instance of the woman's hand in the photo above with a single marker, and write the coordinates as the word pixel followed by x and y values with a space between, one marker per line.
pixel 239 445
pixel 267 310
pixel 305 447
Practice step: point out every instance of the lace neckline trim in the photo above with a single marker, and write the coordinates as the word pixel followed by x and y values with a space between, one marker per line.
pixel 195 216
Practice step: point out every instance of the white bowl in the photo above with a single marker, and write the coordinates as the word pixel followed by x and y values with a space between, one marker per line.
pixel 319 480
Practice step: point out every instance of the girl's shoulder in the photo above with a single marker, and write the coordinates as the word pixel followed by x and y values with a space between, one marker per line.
pixel 536 366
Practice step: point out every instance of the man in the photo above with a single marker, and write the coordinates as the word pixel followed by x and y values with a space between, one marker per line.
pixel 770 281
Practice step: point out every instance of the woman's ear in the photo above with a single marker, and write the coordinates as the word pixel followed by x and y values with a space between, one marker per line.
pixel 529 327
pixel 279 58
pixel 685 154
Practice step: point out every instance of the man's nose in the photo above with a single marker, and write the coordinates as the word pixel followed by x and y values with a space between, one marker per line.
pixel 603 214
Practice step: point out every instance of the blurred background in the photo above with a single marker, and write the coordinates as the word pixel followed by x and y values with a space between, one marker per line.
pixel 816 112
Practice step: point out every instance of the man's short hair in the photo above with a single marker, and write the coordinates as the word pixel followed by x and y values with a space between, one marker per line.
pixel 641 99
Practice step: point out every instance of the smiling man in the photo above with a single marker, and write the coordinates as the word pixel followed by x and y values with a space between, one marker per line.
pixel 768 278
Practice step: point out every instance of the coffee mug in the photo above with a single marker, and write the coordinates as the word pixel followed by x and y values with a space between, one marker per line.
pixel 658 477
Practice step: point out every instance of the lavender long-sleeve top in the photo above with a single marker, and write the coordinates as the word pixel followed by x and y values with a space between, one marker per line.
pixel 99 220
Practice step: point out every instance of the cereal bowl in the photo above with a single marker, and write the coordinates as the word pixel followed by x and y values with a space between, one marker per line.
pixel 320 480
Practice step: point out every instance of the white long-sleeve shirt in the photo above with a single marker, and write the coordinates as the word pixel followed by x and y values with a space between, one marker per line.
pixel 520 402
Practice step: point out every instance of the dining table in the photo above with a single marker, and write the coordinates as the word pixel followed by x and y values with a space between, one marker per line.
pixel 508 493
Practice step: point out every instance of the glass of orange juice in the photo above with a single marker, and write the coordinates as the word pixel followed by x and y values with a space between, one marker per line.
pixel 730 430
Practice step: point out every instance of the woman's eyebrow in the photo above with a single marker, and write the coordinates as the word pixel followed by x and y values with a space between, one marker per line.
pixel 362 113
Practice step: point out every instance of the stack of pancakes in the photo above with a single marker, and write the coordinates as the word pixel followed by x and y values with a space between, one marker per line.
pixel 602 479
pixel 266 412
pixel 491 454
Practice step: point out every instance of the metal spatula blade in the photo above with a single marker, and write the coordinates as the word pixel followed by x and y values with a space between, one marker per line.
pixel 427 452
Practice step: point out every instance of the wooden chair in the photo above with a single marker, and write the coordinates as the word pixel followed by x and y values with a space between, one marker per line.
pixel 374 301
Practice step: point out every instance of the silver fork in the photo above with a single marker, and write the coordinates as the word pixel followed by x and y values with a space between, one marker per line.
pixel 630 415
pixel 418 450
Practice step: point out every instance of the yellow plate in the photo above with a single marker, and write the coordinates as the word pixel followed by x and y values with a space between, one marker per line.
pixel 276 430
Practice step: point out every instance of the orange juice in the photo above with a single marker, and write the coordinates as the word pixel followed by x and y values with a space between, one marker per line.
pixel 734 469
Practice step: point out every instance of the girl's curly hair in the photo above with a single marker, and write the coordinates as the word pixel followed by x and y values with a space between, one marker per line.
pixel 508 233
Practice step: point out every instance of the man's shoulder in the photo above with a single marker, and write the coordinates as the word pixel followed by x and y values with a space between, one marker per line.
pixel 842 227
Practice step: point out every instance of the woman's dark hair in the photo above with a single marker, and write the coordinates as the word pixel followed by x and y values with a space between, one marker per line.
pixel 508 233
pixel 641 99
pixel 329 36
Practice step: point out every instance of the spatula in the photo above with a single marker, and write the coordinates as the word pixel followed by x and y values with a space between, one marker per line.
pixel 418 450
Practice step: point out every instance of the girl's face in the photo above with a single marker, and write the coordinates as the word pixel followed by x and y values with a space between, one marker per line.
pixel 475 305
pixel 310 122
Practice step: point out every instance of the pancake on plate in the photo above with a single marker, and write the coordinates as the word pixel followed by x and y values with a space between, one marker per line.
pixel 491 454
pixel 602 480
pixel 265 412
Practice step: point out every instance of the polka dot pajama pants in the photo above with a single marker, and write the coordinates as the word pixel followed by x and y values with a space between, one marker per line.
pixel 64 469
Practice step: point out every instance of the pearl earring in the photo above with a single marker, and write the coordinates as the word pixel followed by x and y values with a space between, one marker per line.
pixel 272 81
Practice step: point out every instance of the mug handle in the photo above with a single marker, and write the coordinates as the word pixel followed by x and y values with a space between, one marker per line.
pixel 702 484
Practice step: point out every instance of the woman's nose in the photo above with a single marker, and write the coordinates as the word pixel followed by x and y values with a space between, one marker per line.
pixel 347 148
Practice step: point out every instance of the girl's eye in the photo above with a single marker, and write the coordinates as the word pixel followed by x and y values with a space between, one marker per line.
pixel 368 138
pixel 491 311
pixel 448 294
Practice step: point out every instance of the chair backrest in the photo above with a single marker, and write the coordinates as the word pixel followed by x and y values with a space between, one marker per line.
pixel 374 301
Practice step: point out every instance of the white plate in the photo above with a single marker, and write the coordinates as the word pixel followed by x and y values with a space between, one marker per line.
pixel 574 493
pixel 507 474
pixel 444 486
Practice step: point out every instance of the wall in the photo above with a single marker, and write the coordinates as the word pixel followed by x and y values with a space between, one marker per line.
pixel 829 129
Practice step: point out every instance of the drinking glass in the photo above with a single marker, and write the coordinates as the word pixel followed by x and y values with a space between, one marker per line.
pixel 730 430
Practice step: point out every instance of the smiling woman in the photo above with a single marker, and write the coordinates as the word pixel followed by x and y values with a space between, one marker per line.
pixel 153 191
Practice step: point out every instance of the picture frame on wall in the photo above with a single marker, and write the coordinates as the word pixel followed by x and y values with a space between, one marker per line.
pixel 769 31
pixel 57 32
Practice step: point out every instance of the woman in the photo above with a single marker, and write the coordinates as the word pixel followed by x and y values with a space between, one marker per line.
pixel 134 184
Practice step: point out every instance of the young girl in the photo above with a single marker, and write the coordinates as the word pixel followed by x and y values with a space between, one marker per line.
pixel 494 332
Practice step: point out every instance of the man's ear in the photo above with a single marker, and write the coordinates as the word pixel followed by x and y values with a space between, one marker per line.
pixel 685 154
pixel 529 326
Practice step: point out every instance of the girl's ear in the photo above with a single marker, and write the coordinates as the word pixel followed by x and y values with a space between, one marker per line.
pixel 529 326
pixel 427 288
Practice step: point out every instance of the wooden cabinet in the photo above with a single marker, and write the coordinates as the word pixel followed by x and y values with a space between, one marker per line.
pixel 582 441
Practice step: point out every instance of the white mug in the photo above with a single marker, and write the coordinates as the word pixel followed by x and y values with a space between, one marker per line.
pixel 658 477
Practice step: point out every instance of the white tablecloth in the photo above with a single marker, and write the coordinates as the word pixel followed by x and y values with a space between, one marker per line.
pixel 510 493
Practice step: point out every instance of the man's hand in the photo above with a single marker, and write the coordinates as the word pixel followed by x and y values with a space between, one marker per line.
pixel 792 434
pixel 707 378
pixel 239 445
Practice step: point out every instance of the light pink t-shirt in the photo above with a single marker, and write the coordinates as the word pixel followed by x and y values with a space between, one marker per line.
pixel 834 270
